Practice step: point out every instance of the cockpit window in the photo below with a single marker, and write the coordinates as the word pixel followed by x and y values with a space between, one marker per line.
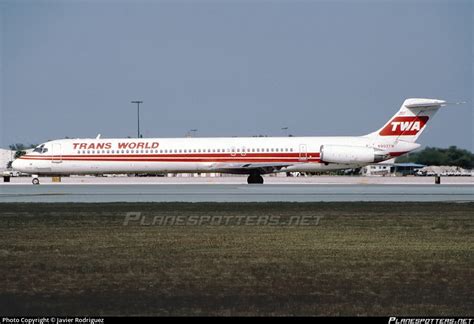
pixel 40 149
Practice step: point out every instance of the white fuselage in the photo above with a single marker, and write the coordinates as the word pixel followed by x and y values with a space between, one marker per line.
pixel 226 155
pixel 242 155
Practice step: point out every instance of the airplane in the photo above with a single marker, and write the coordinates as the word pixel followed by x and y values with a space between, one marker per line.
pixel 252 156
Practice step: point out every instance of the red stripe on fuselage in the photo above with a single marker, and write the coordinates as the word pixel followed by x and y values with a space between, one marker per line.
pixel 248 157
pixel 258 155
pixel 397 153
pixel 189 160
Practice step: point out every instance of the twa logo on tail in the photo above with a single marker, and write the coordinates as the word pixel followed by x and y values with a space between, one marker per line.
pixel 404 126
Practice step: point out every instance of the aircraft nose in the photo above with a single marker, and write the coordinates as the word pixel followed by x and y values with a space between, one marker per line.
pixel 18 165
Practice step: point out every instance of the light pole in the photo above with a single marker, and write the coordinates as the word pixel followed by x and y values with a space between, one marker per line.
pixel 138 102
pixel 188 134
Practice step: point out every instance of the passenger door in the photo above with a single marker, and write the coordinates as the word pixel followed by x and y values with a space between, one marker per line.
pixel 303 152
pixel 56 153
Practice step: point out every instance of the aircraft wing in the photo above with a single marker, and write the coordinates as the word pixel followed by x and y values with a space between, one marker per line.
pixel 247 168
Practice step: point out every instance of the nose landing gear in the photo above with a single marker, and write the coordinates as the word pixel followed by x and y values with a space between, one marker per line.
pixel 35 180
pixel 255 178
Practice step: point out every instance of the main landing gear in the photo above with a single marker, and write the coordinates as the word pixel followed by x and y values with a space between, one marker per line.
pixel 255 178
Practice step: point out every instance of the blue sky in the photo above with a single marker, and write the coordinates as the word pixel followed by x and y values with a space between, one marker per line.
pixel 231 68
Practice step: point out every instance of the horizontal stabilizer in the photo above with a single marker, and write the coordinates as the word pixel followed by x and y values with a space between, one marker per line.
pixel 424 103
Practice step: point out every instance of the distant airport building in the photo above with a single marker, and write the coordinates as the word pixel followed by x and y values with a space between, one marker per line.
pixel 376 170
pixel 403 169
pixel 444 170
pixel 6 156
pixel 406 168
pixel 386 169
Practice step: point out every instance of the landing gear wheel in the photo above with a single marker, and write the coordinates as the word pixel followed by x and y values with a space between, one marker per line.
pixel 35 181
pixel 255 178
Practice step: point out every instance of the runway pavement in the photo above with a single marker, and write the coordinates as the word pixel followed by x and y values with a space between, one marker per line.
pixel 183 179
pixel 234 189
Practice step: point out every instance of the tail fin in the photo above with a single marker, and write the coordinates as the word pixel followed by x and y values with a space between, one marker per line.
pixel 410 121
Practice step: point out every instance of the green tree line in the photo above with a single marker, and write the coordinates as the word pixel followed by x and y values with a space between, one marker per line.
pixel 441 156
